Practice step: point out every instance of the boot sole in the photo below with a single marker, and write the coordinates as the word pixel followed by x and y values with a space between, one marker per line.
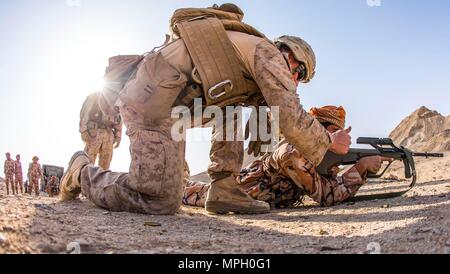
pixel 222 208
pixel 74 157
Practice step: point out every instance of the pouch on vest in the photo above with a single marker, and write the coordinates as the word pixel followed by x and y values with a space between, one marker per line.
pixel 119 71
pixel 154 88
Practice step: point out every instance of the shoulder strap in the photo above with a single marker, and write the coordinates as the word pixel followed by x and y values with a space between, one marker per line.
pixel 214 57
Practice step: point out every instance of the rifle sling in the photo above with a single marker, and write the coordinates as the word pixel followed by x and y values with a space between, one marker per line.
pixel 380 196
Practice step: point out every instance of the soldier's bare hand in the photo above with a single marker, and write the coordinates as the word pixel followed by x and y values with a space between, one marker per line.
pixel 372 164
pixel 341 141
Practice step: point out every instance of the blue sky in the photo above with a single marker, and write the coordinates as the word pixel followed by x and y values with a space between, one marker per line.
pixel 381 63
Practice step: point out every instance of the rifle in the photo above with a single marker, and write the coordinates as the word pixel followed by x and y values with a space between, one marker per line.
pixel 381 147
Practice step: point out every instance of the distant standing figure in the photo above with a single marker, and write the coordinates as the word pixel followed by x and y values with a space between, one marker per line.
pixel 18 176
pixel 100 132
pixel 53 186
pixel 9 173
pixel 35 173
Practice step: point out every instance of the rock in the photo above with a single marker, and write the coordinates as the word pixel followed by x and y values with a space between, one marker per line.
pixel 3 240
pixel 423 130
pixel 424 230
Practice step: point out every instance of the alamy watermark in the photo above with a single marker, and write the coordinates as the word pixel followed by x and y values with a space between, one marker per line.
pixel 374 3
pixel 373 248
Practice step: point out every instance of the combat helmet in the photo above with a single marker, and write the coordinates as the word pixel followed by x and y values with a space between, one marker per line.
pixel 302 52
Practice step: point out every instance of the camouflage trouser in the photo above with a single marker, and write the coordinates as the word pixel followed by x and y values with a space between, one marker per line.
pixel 282 179
pixel 226 156
pixel 33 184
pixel 18 182
pixel 154 184
pixel 52 190
pixel 9 181
pixel 102 146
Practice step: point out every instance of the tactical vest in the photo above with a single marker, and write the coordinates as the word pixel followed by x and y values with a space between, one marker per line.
pixel 98 118
pixel 218 76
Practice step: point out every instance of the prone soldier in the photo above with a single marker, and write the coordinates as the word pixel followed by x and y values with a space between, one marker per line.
pixel 283 178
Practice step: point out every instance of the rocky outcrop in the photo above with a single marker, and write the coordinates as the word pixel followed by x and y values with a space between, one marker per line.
pixel 424 130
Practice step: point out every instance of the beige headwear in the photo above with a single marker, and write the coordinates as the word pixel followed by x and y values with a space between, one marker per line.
pixel 331 114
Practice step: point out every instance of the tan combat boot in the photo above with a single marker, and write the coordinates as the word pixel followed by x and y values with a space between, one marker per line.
pixel 70 187
pixel 224 196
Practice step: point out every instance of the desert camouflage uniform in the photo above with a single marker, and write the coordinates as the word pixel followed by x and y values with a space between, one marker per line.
pixel 52 187
pixel 283 178
pixel 18 176
pixel 98 135
pixel 35 173
pixel 154 184
pixel 9 169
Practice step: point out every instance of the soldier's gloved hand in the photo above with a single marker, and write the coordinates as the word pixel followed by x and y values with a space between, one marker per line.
pixel 341 141
pixel 117 142
pixel 255 145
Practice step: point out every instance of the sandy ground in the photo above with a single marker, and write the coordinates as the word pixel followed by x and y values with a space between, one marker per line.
pixel 418 222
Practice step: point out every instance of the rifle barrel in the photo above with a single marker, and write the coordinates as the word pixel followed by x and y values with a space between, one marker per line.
pixel 428 155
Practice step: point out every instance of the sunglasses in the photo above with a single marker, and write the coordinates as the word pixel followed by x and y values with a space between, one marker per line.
pixel 302 72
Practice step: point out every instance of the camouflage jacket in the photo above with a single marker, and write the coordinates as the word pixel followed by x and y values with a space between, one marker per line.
pixel 284 177
pixel 18 168
pixel 35 171
pixel 9 167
